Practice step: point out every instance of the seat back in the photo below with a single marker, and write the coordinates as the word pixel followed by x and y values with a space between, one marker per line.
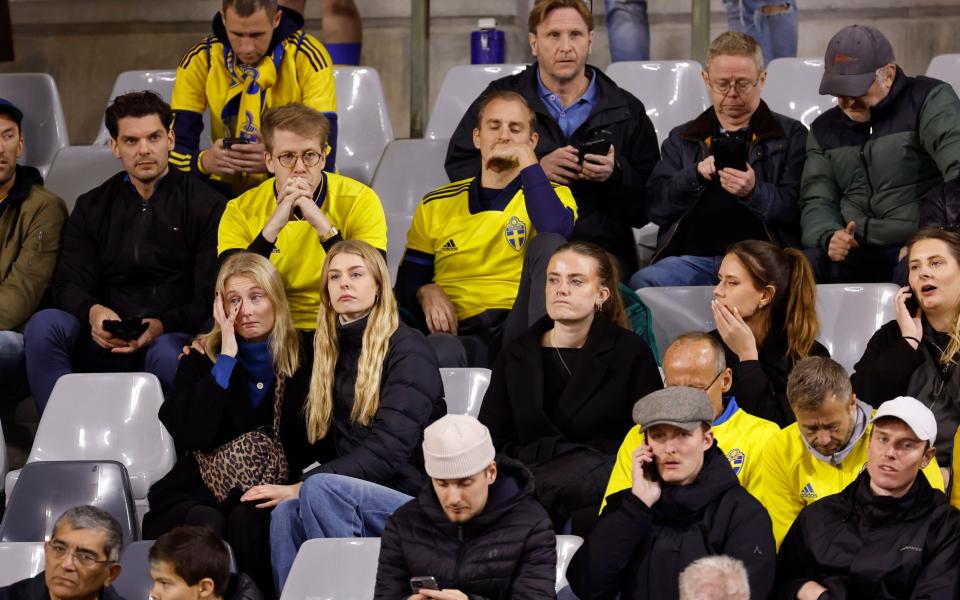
pixel 134 582
pixel 399 189
pixel 334 568
pixel 46 489
pixel 20 560
pixel 850 314
pixel 672 91
pixel 946 67
pixel 157 80
pixel 792 89
pixel 107 416
pixel 44 126
pixel 464 389
pixel 460 87
pixel 677 310
pixel 397 228
pixel 363 121
pixel 78 169
pixel 567 546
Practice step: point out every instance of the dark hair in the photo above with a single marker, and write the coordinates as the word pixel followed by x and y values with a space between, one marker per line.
pixel 609 276
pixel 91 517
pixel 951 238
pixel 137 104
pixel 813 379
pixel 195 553
pixel 544 7
pixel 793 309
pixel 245 8
pixel 508 96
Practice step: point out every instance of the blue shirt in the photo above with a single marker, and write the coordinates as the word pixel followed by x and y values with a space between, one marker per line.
pixel 569 118
pixel 256 359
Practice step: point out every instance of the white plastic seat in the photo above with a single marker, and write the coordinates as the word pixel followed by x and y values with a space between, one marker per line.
pixel 363 121
pixel 78 169
pixel 464 389
pixel 333 569
pixel 567 546
pixel 460 87
pixel 408 171
pixel 397 228
pixel 677 310
pixel 946 67
pixel 159 81
pixel 20 560
pixel 671 90
pixel 106 416
pixel 850 314
pixel 44 126
pixel 792 89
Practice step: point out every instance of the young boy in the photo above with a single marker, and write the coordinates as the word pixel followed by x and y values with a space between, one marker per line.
pixel 189 563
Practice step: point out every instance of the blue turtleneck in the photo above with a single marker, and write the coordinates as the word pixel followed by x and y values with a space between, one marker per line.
pixel 255 358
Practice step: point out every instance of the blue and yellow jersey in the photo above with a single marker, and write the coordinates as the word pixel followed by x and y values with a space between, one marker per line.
pixel 477 254
pixel 352 207
pixel 740 435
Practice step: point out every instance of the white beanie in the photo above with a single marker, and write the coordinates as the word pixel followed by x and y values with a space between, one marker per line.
pixel 456 446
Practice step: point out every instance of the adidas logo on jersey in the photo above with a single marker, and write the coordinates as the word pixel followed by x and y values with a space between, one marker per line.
pixel 807 492
pixel 449 246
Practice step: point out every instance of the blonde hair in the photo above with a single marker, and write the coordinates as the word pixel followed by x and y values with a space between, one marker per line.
pixel 951 238
pixel 284 340
pixel 734 43
pixel 382 323
pixel 296 118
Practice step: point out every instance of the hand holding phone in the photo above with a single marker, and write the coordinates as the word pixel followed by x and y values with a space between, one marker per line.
pixel 128 329
pixel 423 582
pixel 229 142
pixel 599 147
pixel 646 477
pixel 730 152
pixel 908 315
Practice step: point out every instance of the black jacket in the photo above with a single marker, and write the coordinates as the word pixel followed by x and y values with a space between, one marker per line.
pixel 639 552
pixel 507 552
pixel 777 155
pixel 760 386
pixel 154 258
pixel 607 210
pixel 941 206
pixel 35 588
pixel 386 452
pixel 614 370
pixel 858 545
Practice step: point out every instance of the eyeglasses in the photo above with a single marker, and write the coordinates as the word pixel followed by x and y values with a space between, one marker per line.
pixel 742 86
pixel 310 158
pixel 83 558
pixel 709 385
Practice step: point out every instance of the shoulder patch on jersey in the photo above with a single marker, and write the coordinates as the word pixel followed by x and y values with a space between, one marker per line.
pixel 736 458
pixel 447 191
pixel 516 233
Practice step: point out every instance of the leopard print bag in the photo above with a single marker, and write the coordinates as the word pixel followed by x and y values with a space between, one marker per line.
pixel 254 458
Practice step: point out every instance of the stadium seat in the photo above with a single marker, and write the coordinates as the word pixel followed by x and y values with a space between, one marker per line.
pixel 363 121
pixel 946 67
pixel 792 89
pixel 464 389
pixel 3 456
pixel 134 582
pixel 46 489
pixel 333 568
pixel 106 416
pixel 567 546
pixel 78 169
pixel 677 310
pixel 460 87
pixel 44 126
pixel 671 90
pixel 850 314
pixel 20 560
pixel 397 228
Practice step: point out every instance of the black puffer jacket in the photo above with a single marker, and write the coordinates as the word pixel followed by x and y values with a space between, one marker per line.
pixel 386 452
pixel 941 206
pixel 507 552
pixel 639 552
pixel 858 545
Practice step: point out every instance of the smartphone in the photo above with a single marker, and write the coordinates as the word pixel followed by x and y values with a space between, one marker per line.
pixel 730 153
pixel 229 142
pixel 911 303
pixel 599 146
pixel 424 582
pixel 650 469
pixel 126 329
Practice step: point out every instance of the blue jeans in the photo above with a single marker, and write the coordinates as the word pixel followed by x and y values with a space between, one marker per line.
pixel 57 344
pixel 11 367
pixel 776 33
pixel 329 506
pixel 678 270
pixel 628 30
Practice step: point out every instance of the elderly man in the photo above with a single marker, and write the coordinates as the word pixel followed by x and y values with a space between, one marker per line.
pixel 715 578
pixel 911 547
pixel 81 560
pixel 731 174
pixel 824 451
pixel 872 158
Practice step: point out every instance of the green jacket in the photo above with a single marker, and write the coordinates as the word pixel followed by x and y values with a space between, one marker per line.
pixel 876 173
pixel 31 231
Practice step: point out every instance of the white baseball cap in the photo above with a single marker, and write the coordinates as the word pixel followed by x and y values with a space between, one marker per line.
pixel 914 413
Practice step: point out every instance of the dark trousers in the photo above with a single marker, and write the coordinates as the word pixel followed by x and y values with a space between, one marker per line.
pixel 571 486
pixel 867 264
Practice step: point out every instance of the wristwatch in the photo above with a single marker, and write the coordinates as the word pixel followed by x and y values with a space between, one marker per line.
pixel 330 234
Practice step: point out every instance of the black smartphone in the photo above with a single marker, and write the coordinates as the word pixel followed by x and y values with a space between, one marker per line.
pixel 912 304
pixel 730 153
pixel 424 582
pixel 229 142
pixel 599 146
pixel 126 329
pixel 653 474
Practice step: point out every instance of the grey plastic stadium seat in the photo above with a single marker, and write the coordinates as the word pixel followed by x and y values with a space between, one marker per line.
pixel 134 582
pixel 677 310
pixel 333 569
pixel 397 228
pixel 106 416
pixel 464 389
pixel 44 126
pixel 399 190
pixel 46 489
pixel 672 91
pixel 460 87
pixel 78 169
pixel 363 121
pixel 850 314
pixel 20 560
pixel 792 89
pixel 3 456
pixel 567 546
pixel 946 67
pixel 159 81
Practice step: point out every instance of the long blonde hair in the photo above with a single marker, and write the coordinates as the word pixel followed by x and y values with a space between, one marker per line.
pixel 383 321
pixel 952 239
pixel 284 340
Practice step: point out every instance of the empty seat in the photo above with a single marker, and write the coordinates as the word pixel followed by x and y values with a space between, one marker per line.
pixel 397 228
pixel 134 582
pixel 464 389
pixel 335 568
pixel 567 546
pixel 850 314
pixel 106 416
pixel 460 87
pixel 363 122
pixel 946 67
pixel 20 560
pixel 44 126
pixel 78 169
pixel 672 91
pixel 792 89
pixel 677 310
pixel 408 171
pixel 45 490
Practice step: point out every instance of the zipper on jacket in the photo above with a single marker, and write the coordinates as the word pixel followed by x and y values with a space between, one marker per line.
pixel 456 566
pixel 676 225
pixel 866 170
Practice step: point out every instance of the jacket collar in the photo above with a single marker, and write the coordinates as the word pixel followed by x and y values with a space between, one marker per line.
pixel 917 502
pixel 290 22
pixel 864 411
pixel 681 503
pixel 609 95
pixel 23 180
pixel 763 125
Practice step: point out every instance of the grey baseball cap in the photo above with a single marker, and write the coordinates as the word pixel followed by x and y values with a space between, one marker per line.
pixel 853 56
pixel 683 407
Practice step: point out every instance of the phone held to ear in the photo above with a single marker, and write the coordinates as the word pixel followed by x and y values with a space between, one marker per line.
pixel 423 582
pixel 912 304
pixel 650 471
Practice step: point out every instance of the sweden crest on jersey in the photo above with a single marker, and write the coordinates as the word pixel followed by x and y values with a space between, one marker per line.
pixel 516 233
pixel 736 458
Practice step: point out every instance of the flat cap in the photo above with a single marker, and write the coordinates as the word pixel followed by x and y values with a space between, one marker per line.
pixel 683 407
